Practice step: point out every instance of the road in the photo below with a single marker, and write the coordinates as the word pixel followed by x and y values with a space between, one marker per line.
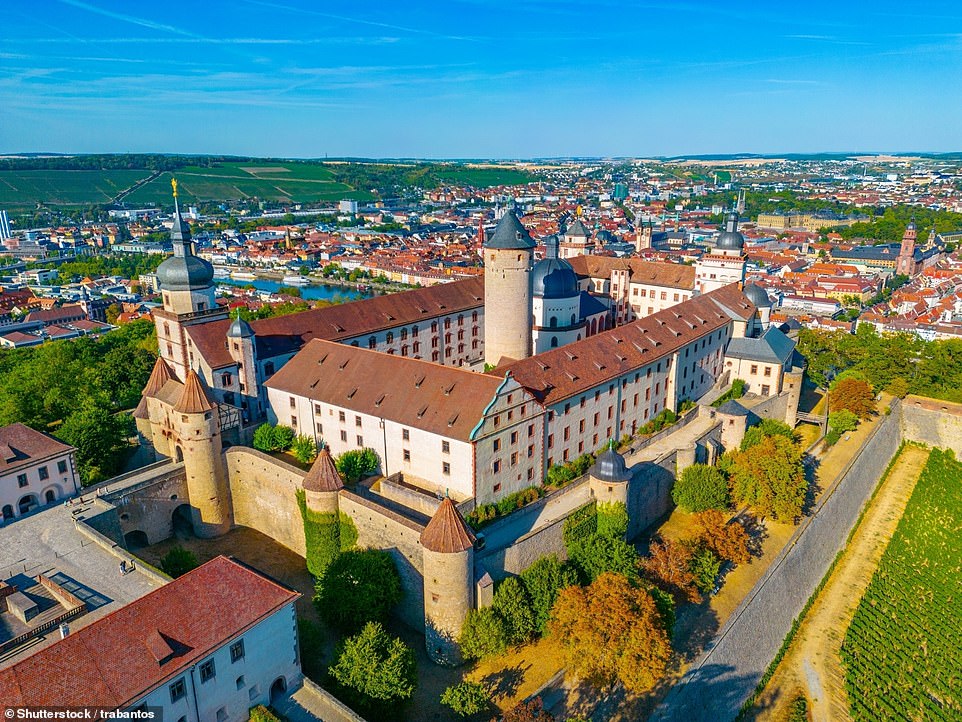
pixel 717 684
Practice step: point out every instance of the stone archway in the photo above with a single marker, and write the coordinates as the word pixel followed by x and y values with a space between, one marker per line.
pixel 136 540
pixel 278 690
pixel 8 512
pixel 27 503
pixel 178 454
pixel 182 525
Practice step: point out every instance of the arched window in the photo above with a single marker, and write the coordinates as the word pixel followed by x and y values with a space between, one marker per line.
pixel 371 342
pixel 404 334
pixel 554 342
pixel 474 316
pixel 553 322
pixel 573 319
pixel 390 337
pixel 414 330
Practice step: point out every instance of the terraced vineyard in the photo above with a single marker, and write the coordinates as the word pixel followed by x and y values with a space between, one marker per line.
pixel 902 651
pixel 26 188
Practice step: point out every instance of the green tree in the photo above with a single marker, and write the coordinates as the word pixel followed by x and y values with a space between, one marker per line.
pixel 466 698
pixel 512 603
pixel 701 487
pixel 599 554
pixel 100 438
pixel 854 395
pixel 766 427
pixel 484 634
pixel 304 449
pixel 376 669
pixel 705 565
pixel 842 420
pixel 264 438
pixel 357 463
pixel 178 561
pixel 358 586
pixel 543 580
pixel 283 437
pixel 612 519
pixel 770 478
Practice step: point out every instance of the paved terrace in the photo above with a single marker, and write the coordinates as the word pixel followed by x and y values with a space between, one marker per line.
pixel 48 542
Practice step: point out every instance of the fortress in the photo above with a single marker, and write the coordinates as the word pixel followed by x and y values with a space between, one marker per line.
pixel 468 392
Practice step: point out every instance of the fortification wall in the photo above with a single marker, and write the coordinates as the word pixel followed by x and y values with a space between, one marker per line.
pixel 381 528
pixel 264 495
pixel 150 507
pixel 932 422
pixel 773 407
pixel 649 494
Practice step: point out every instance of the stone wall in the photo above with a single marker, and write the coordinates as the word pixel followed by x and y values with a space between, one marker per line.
pixel 649 494
pixel 381 528
pixel 514 559
pixel 933 422
pixel 264 495
pixel 150 507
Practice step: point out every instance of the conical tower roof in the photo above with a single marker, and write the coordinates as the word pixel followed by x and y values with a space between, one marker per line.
pixel 447 532
pixel 160 375
pixel 323 475
pixel 193 400
pixel 510 234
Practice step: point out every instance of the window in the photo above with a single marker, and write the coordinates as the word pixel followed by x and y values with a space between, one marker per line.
pixel 371 342
pixel 445 447
pixel 293 402
pixel 207 671
pixel 62 467
pixel 294 422
pixel 340 416
pixel 497 444
pixel 550 440
pixel 360 441
pixel 514 458
pixel 253 693
pixel 357 421
pixel 406 434
pixel 343 435
pixel 496 466
pixel 21 480
pixel 407 454
pixel 44 474
pixel 239 682
pixel 530 430
pixel 768 372
pixel 178 690
pixel 445 468
pixel 766 389
pixel 754 369
pixel 530 450
pixel 514 437
pixel 237 651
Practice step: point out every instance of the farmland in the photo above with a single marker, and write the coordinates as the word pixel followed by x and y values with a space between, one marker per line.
pixel 901 650
pixel 219 180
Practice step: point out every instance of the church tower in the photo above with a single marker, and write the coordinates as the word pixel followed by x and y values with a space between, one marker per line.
pixel 198 443
pixel 187 288
pixel 448 570
pixel 577 240
pixel 507 291
pixel 643 234
pixel 726 262
pixel 905 264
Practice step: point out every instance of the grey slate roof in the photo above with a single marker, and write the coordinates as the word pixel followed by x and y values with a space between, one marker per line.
pixel 772 347
pixel 732 408
pixel 510 234
pixel 590 305
pixel 577 229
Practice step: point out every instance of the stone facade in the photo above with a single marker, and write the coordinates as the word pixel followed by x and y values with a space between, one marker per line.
pixel 507 304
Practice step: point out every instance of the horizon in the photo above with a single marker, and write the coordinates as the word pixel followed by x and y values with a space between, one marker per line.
pixel 473 80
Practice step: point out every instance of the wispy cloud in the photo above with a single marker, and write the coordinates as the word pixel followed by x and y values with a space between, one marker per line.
pixel 142 22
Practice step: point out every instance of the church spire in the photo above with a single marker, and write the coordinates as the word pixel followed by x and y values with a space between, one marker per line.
pixel 179 231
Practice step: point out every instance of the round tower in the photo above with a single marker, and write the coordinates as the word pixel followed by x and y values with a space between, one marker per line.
pixel 609 476
pixel 322 483
pixel 734 423
pixel 759 296
pixel 198 443
pixel 448 570
pixel 507 291
pixel 242 346
pixel 555 301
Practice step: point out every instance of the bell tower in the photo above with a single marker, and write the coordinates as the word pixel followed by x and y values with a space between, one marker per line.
pixel 905 264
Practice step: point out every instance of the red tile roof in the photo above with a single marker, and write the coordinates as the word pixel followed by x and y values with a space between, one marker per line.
pixel 159 376
pixel 444 400
pixel 113 662
pixel 21 446
pixel 563 372
pixel 671 275
pixel 347 320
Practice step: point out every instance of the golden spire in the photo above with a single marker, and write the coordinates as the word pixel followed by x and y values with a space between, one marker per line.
pixel 173 184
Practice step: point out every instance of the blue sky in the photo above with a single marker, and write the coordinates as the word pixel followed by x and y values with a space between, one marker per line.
pixel 478 78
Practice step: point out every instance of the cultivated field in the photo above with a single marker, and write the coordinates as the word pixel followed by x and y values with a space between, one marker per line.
pixel 25 188
pixel 901 652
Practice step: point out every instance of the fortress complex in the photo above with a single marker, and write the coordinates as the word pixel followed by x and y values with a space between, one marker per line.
pixel 467 391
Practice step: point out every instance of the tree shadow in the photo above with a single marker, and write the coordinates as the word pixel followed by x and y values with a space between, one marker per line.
pixel 757 534
pixel 812 488
pixel 504 683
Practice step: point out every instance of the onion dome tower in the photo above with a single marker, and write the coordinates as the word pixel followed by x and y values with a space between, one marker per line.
pixel 556 301
pixel 725 264
pixel 508 254
pixel 759 297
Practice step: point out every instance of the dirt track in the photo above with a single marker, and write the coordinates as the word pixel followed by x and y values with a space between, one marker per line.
pixel 812 665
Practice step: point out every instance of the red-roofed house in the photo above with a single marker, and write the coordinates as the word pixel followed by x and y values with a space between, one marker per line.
pixel 207 646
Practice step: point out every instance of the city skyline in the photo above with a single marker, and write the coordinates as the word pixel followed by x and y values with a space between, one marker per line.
pixel 479 80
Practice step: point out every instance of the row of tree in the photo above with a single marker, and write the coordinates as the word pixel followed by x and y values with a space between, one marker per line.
pixel 79 390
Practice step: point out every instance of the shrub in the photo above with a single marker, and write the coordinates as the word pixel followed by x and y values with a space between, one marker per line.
pixel 486 513
pixel 283 437
pixel 612 519
pixel 178 561
pixel 260 713
pixel 842 420
pixel 310 635
pixel 767 427
pixel 264 438
pixel 700 487
pixel 832 437
pixel 543 580
pixel 512 603
pixel 375 668
pixel 560 474
pixel 530 711
pixel 353 465
pixel 484 634
pixel 304 449
pixel 466 698
pixel 358 587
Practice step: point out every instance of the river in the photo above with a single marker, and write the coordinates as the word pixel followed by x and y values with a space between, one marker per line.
pixel 309 293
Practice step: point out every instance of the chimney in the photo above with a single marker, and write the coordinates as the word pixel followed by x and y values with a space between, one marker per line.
pixel 64 630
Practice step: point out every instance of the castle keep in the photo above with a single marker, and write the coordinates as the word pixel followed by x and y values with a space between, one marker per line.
pixel 467 391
